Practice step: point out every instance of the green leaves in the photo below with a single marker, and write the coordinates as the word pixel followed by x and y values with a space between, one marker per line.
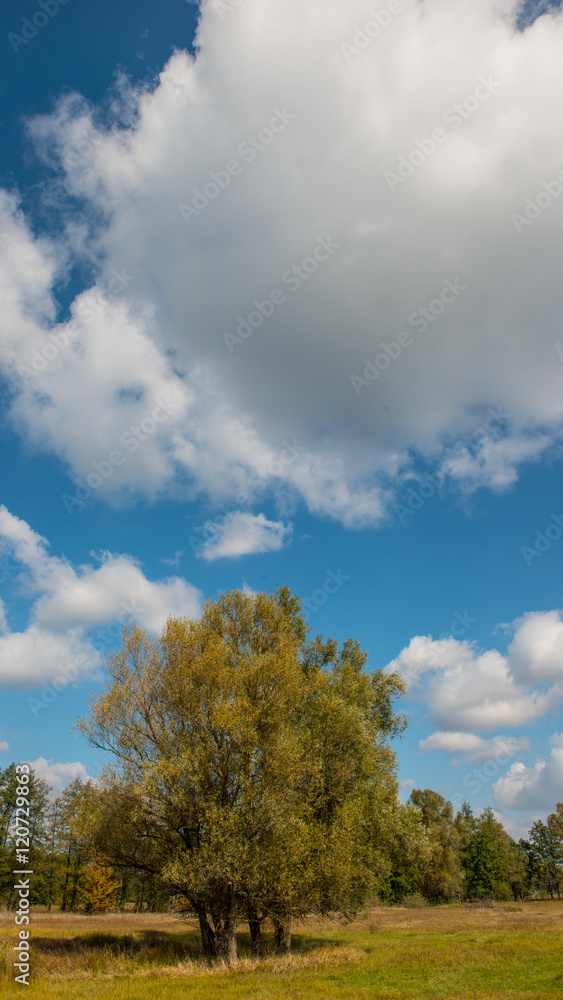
pixel 249 760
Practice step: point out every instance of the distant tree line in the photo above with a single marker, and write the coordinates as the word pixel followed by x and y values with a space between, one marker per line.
pixel 252 781
pixel 68 874
pixel 422 850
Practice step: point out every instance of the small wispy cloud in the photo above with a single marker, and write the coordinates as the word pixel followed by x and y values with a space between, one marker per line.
pixel 246 534
pixel 174 560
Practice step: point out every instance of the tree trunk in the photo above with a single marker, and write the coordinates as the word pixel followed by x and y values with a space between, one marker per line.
pixel 76 875
pixel 140 898
pixel 207 935
pixel 282 928
pixel 255 928
pixel 65 886
pixel 226 936
pixel 121 894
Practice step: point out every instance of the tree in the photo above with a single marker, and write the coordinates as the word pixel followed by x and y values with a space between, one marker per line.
pixel 406 844
pixel 100 888
pixel 74 806
pixel 35 792
pixel 53 831
pixel 248 763
pixel 443 877
pixel 555 833
pixel 517 873
pixel 545 857
pixel 487 860
pixel 465 824
pixel 555 823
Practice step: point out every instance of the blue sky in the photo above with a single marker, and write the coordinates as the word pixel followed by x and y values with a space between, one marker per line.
pixel 281 305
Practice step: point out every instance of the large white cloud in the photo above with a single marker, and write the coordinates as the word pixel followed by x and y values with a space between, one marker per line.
pixel 300 158
pixel 536 652
pixel 71 602
pixel 466 689
pixel 536 787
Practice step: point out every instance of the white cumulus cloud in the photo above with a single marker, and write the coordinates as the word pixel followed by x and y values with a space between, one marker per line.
pixel 207 214
pixel 536 787
pixel 468 690
pixel 246 534
pixel 70 602
pixel 473 748
pixel 57 775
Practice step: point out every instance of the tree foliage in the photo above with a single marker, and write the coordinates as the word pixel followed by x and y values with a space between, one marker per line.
pixel 248 764
pixel 100 887
pixel 442 877
pixel 544 852
pixel 487 860
pixel 252 779
pixel 36 794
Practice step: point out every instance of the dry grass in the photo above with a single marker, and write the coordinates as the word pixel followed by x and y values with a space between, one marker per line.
pixel 444 952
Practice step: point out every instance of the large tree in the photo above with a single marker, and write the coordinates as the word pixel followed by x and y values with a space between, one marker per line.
pixel 443 876
pixel 555 823
pixel 544 850
pixel 248 764
pixel 406 848
pixel 12 792
pixel 489 861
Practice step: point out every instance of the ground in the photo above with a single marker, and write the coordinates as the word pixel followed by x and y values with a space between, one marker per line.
pixel 512 951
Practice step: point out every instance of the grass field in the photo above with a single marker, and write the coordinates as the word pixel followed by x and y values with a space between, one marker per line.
pixel 444 952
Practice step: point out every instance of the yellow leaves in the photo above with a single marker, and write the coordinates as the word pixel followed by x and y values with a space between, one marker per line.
pixel 248 760
pixel 100 887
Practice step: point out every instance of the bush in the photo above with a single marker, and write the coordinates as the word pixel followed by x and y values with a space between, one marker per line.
pixel 415 902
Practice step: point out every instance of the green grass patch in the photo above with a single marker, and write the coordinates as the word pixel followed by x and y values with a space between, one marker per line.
pixel 450 953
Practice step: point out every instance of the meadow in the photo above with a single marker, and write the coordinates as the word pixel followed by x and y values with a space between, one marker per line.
pixel 454 951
